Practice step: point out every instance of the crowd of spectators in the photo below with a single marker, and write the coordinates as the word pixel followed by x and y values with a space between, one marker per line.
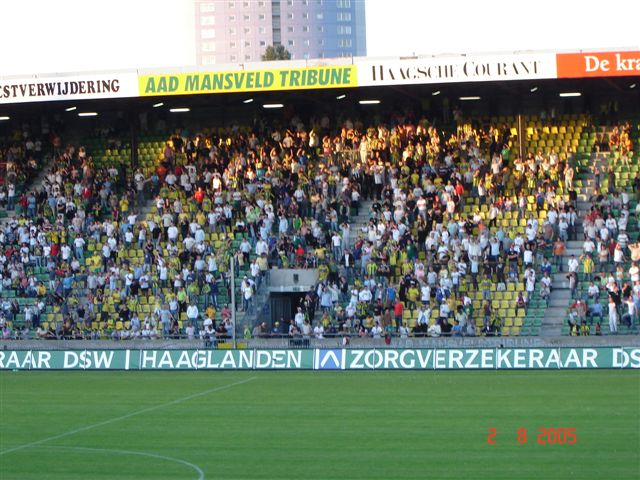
pixel 449 214
pixel 609 260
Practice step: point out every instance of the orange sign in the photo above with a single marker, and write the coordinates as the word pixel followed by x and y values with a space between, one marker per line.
pixel 598 64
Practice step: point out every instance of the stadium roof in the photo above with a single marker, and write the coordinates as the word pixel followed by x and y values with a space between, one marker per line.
pixel 322 74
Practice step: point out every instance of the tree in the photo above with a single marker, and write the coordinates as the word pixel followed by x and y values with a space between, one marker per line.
pixel 276 53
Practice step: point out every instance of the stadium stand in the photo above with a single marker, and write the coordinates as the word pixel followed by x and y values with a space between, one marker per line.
pixel 413 230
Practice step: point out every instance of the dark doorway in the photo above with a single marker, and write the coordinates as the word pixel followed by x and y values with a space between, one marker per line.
pixel 283 306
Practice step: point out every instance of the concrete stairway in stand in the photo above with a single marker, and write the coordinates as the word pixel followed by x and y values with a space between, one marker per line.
pixel 560 298
pixel 359 221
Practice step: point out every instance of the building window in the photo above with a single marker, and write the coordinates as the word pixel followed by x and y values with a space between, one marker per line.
pixel 319 2
pixel 247 18
pixel 207 33
pixel 262 30
pixel 290 43
pixel 307 42
pixel 344 16
pixel 208 59
pixel 261 16
pixel 208 46
pixel 232 31
pixel 207 7
pixel 344 42
pixel 233 58
pixel 305 15
pixel 305 3
pixel 245 4
pixel 207 20
pixel 320 28
pixel 247 57
pixel 232 44
pixel 289 3
pixel 306 56
pixel 232 18
pixel 320 16
pixel 321 42
pixel 344 3
pixel 261 4
pixel 344 29
pixel 305 28
pixel 290 29
pixel 263 43
pixel 290 16
pixel 232 4
pixel 248 43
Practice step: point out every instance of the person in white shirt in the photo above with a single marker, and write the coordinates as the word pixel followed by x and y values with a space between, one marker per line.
pixel 588 247
pixel 79 244
pixel 65 252
pixel 434 330
pixel 172 233
pixel 530 277
pixel 106 255
pixel 299 318
pixel 192 314
pixel 613 316
pixel 573 264
pixel 365 295
pixel 618 255
pixel 634 272
pixel 422 322
pixel 376 331
pixel 527 256
pixel 318 331
pixel 190 332
pixel 403 331
pixel 336 242
pixel 261 247
pixel 246 287
pixel 593 291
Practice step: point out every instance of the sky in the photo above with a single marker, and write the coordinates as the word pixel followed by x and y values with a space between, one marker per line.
pixel 91 35
pixel 50 36
pixel 472 26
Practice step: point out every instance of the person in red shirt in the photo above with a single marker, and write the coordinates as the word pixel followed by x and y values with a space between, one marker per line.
pixel 199 195
pixel 459 189
pixel 398 310
pixel 161 171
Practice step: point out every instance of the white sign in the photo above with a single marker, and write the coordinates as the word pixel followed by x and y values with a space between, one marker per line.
pixel 469 68
pixel 76 87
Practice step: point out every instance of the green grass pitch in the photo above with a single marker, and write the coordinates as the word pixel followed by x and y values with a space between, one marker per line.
pixel 317 425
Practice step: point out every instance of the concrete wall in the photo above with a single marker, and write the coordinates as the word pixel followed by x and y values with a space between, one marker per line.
pixel 282 280
pixel 478 342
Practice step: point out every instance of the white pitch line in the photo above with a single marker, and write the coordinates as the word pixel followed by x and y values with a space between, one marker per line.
pixel 132 452
pixel 124 417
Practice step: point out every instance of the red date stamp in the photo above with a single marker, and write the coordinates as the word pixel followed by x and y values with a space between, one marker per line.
pixel 546 436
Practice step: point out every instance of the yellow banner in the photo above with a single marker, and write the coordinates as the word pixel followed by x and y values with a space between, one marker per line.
pixel 248 81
